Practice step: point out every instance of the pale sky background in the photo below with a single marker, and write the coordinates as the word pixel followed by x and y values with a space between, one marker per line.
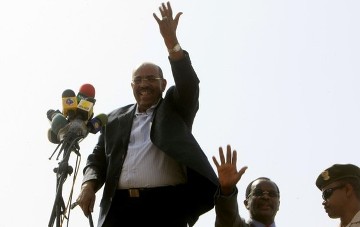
pixel 279 82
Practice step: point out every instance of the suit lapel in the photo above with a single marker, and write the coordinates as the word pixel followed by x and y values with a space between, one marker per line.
pixel 124 126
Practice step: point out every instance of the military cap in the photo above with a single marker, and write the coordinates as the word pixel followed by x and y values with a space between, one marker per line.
pixel 337 172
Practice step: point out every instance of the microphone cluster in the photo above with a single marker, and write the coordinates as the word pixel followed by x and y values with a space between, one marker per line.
pixel 68 127
pixel 76 118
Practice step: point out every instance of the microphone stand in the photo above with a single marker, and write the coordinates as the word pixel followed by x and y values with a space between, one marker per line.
pixel 69 143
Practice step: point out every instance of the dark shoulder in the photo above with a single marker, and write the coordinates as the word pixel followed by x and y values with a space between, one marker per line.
pixel 120 111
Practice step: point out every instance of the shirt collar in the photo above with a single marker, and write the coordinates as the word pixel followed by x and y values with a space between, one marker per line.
pixel 147 112
pixel 355 220
pixel 259 224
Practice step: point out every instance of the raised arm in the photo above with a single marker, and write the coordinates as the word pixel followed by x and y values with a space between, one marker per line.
pixel 226 205
pixel 168 25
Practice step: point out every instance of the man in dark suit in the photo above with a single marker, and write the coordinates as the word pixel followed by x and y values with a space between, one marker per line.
pixel 262 196
pixel 153 171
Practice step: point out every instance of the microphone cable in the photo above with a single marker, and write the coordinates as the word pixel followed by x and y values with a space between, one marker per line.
pixel 68 204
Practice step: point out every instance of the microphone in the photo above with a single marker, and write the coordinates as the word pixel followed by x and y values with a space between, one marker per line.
pixel 69 103
pixel 50 113
pixel 77 110
pixel 86 91
pixel 56 125
pixel 52 137
pixel 95 124
pixel 85 109
pixel 58 122
pixel 86 101
pixel 74 130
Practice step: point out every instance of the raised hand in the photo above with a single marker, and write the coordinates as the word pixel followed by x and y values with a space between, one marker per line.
pixel 168 25
pixel 227 170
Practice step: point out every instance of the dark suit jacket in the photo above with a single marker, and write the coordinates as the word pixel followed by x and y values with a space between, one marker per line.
pixel 227 211
pixel 170 131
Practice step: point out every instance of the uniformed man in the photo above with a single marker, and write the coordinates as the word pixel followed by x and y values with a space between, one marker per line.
pixel 340 186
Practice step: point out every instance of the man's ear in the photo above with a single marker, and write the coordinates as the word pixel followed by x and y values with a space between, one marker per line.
pixel 246 203
pixel 349 189
pixel 163 85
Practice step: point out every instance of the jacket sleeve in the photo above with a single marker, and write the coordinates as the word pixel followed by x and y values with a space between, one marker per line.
pixel 95 168
pixel 227 211
pixel 185 93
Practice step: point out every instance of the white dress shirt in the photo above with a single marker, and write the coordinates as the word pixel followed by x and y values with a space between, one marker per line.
pixel 145 165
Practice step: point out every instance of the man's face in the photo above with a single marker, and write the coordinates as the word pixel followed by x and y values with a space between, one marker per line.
pixel 147 86
pixel 263 201
pixel 335 199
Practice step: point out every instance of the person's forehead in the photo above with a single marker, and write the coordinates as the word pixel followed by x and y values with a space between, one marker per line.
pixel 264 184
pixel 146 69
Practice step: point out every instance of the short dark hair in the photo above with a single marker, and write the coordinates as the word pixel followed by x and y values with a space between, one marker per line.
pixel 248 188
pixel 160 72
pixel 148 63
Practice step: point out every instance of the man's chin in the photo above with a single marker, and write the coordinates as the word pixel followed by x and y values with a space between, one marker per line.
pixel 144 105
pixel 333 216
pixel 266 212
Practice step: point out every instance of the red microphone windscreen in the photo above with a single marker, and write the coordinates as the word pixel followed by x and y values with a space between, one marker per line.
pixel 87 90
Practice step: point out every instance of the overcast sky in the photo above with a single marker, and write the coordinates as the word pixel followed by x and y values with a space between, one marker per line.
pixel 279 82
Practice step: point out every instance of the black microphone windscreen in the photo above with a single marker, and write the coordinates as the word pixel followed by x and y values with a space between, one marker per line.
pixel 50 113
pixel 68 93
